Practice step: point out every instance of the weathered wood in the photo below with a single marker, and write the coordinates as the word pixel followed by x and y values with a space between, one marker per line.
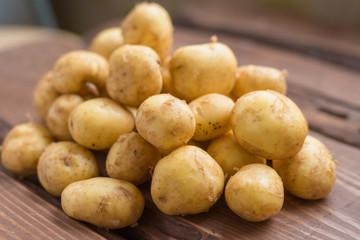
pixel 331 43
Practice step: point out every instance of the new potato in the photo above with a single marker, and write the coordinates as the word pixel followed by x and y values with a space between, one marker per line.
pixel 197 70
pixel 63 163
pixel 268 124
pixel 212 115
pixel 134 75
pixel 165 121
pixel 105 202
pixel 131 158
pixel 255 192
pixel 310 174
pixel 107 41
pixel 23 146
pixel 187 181
pixel 97 123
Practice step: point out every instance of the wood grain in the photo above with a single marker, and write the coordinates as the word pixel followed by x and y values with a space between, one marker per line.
pixel 324 91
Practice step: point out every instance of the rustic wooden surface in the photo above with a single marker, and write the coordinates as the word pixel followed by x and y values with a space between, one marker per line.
pixel 328 94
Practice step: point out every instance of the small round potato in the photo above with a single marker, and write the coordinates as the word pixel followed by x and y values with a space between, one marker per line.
pixel 212 115
pixel 97 123
pixel 105 202
pixel 131 158
pixel 252 78
pixel 106 41
pixel 75 68
pixel 255 192
pixel 23 146
pixel 134 75
pixel 229 154
pixel 310 174
pixel 187 181
pixel 58 115
pixel 44 95
pixel 197 70
pixel 63 163
pixel 165 121
pixel 167 86
pixel 268 124
pixel 149 24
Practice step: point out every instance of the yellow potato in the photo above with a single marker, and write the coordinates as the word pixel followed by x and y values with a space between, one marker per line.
pixel 212 115
pixel 107 41
pixel 97 123
pixel 255 192
pixel 131 158
pixel 187 181
pixel 149 24
pixel 268 124
pixel 44 95
pixel 23 146
pixel 252 78
pixel 310 174
pixel 63 163
pixel 74 69
pixel 134 75
pixel 58 115
pixel 165 121
pixel 105 202
pixel 229 154
pixel 167 86
pixel 197 70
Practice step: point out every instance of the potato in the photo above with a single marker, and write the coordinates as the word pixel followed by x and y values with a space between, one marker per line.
pixel 149 24
pixel 252 78
pixel 107 41
pixel 131 158
pixel 229 154
pixel 310 174
pixel 187 181
pixel 74 69
pixel 58 114
pixel 134 75
pixel 212 115
pixel 165 121
pixel 255 192
pixel 97 123
pixel 167 86
pixel 63 163
pixel 268 124
pixel 197 70
pixel 23 146
pixel 44 95
pixel 104 202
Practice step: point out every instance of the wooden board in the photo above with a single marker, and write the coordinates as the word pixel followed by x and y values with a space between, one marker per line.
pixel 29 212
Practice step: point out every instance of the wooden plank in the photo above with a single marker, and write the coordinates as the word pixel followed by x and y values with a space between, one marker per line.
pixel 332 43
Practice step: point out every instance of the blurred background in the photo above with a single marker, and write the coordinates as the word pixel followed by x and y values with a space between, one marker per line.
pixel 81 15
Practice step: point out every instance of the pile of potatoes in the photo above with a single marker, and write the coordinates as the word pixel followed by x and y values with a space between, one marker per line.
pixel 194 123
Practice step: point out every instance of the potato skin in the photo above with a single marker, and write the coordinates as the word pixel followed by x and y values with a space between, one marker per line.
pixel 310 174
pixel 97 123
pixel 165 121
pixel 105 202
pixel 253 78
pixel 134 75
pixel 131 158
pixel 197 70
pixel 187 181
pixel 107 41
pixel 58 115
pixel 44 95
pixel 268 124
pixel 149 24
pixel 63 163
pixel 23 146
pixel 229 154
pixel 255 192
pixel 212 115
